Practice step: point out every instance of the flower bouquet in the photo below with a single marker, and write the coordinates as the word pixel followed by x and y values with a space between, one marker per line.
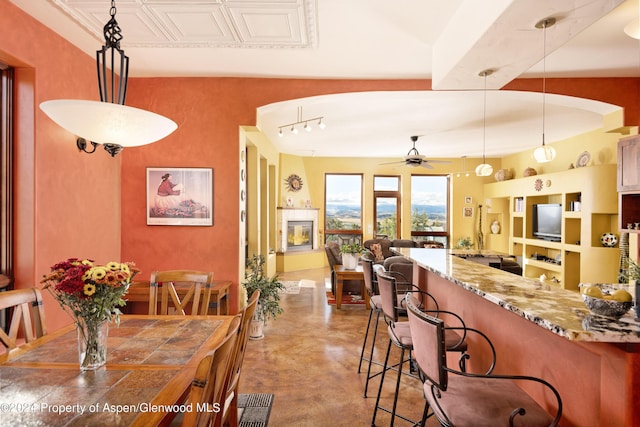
pixel 91 294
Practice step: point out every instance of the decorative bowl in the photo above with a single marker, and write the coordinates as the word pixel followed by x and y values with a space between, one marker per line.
pixel 605 307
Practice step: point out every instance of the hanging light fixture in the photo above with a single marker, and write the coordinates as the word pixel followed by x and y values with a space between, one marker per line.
pixel 307 126
pixel 484 168
pixel 109 122
pixel 544 153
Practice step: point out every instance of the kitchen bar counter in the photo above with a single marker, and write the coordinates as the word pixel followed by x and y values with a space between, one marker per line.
pixel 541 330
pixel 545 304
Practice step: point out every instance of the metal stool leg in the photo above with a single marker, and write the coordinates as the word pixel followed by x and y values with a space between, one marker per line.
pixel 373 345
pixel 366 335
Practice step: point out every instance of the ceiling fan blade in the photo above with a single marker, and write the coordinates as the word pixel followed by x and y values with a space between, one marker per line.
pixel 438 161
pixel 426 165
pixel 392 163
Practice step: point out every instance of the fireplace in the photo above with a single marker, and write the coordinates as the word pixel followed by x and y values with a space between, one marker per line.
pixel 299 235
pixel 297 229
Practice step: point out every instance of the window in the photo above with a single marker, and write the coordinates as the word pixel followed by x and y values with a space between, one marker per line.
pixel 430 208
pixel 6 170
pixel 386 206
pixel 343 208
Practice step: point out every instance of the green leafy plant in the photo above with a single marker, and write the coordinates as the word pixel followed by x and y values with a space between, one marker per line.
pixel 352 248
pixel 255 279
pixel 464 243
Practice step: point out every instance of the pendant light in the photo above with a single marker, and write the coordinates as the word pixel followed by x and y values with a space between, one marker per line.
pixel 484 169
pixel 544 153
pixel 109 122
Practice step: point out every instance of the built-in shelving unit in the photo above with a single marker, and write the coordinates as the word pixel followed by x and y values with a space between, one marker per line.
pixel 589 208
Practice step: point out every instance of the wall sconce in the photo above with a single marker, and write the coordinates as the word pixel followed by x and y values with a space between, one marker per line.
pixel 307 124
pixel 109 122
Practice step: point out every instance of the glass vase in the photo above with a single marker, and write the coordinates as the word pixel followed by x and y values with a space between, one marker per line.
pixel 92 343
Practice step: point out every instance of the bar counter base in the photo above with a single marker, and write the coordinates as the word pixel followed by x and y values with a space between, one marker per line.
pixel 597 381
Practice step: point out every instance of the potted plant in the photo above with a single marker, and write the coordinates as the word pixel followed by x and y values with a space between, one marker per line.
pixel 269 301
pixel 464 243
pixel 350 254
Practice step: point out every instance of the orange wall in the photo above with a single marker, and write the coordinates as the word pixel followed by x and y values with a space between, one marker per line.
pixel 67 204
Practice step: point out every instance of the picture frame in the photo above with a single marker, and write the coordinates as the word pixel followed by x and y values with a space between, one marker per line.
pixel 467 212
pixel 468 200
pixel 180 196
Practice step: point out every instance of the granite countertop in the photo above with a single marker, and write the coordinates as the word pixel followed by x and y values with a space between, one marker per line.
pixel 543 303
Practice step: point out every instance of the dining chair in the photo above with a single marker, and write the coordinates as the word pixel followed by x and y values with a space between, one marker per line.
pixel 230 410
pixel 459 398
pixel 207 392
pixel 400 336
pixel 182 289
pixel 27 316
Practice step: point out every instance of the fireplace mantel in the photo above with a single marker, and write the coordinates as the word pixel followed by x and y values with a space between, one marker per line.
pixel 284 215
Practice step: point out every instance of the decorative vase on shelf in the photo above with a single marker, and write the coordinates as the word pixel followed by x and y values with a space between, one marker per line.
pixel 503 175
pixel 92 343
pixel 495 227
pixel 530 172
pixel 609 240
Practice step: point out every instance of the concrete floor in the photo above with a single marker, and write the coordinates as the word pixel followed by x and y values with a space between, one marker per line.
pixel 309 361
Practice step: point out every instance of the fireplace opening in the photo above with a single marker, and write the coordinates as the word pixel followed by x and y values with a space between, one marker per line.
pixel 299 235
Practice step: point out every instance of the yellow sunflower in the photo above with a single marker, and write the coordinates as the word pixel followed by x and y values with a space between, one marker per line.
pixel 113 266
pixel 98 274
pixel 89 289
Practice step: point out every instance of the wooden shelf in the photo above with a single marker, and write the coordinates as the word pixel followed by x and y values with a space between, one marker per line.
pixel 589 209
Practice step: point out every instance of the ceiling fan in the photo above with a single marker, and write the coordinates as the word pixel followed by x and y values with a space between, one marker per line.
pixel 415 159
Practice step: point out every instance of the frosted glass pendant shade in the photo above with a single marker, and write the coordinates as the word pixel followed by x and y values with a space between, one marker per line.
pixel 544 154
pixel 108 123
pixel 484 169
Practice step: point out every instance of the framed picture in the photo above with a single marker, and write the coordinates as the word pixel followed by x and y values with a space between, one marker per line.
pixel 468 200
pixel 179 196
pixel 467 212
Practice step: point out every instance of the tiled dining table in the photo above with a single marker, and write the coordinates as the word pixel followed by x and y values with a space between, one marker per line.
pixel 151 361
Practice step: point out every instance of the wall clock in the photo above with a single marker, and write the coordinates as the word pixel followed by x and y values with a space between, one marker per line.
pixel 293 182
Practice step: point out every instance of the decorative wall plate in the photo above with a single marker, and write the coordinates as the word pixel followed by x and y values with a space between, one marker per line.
pixel 538 184
pixel 293 183
pixel 583 159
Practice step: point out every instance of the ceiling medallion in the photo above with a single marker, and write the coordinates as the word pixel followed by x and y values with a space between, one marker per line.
pixel 293 182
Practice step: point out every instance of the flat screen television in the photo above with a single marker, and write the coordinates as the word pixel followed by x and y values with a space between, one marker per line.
pixel 547 221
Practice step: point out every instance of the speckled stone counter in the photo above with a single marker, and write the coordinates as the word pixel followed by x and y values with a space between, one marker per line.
pixel 545 304
pixel 541 330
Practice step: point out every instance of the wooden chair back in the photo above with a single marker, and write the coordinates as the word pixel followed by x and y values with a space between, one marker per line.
pixel 27 316
pixel 187 291
pixel 207 391
pixel 230 410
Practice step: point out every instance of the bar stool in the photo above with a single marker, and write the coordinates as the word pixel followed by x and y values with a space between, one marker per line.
pixel 464 399
pixel 400 336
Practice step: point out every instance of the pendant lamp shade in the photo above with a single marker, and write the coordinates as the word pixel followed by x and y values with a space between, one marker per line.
pixel 544 153
pixel 108 123
pixel 484 168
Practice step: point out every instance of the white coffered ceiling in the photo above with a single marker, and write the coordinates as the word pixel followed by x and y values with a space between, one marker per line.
pixel 447 41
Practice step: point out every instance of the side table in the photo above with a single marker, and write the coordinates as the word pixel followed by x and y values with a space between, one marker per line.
pixel 343 274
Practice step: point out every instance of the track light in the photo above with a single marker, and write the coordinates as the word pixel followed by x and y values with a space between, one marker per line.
pixel 307 127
